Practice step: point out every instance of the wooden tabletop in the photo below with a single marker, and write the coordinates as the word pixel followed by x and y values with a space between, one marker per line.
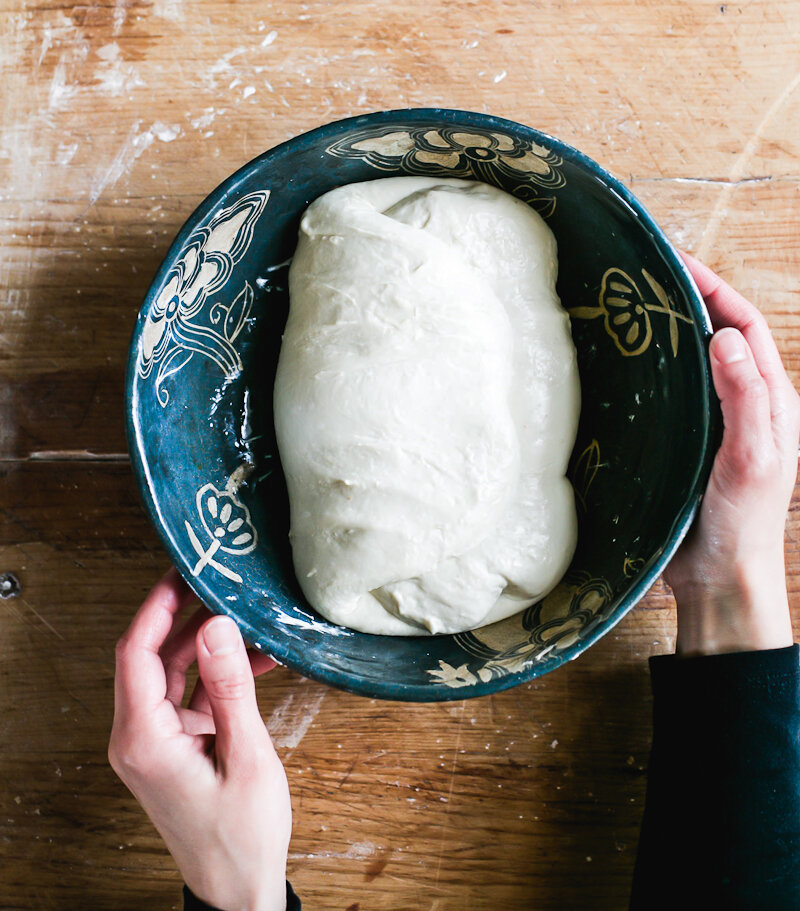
pixel 117 119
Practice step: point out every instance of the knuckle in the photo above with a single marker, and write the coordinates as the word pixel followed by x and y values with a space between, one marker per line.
pixel 126 757
pixel 228 688
pixel 795 405
pixel 122 648
pixel 263 752
pixel 255 762
pixel 248 767
pixel 759 322
pixel 113 756
pixel 754 464
pixel 751 388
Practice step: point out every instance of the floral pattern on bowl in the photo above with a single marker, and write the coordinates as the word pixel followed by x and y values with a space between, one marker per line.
pixel 202 364
pixel 172 334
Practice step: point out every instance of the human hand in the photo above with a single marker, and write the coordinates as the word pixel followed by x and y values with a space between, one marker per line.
pixel 728 576
pixel 207 775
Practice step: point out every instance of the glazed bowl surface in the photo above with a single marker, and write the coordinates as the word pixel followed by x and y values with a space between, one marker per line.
pixel 202 365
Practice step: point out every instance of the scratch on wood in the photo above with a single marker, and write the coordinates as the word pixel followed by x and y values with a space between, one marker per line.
pixel 21 616
pixel 712 181
pixel 349 771
pixel 74 455
pixel 740 165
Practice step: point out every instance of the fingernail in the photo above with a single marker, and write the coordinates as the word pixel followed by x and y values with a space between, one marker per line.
pixel 729 346
pixel 221 636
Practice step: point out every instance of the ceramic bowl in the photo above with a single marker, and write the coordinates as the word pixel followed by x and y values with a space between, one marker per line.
pixel 202 364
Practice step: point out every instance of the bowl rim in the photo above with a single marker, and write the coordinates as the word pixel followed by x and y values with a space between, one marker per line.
pixel 274 645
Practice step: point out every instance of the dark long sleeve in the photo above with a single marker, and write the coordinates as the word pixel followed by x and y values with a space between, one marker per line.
pixel 721 827
pixel 192 903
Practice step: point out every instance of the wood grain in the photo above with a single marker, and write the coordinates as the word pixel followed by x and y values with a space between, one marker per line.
pixel 395 806
pixel 116 120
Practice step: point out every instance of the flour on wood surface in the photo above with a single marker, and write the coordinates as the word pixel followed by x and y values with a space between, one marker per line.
pixel 293 716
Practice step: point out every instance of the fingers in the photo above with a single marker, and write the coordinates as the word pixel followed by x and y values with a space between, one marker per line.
pixel 729 309
pixel 747 453
pixel 196 723
pixel 259 664
pixel 179 653
pixel 230 688
pixel 725 303
pixel 140 683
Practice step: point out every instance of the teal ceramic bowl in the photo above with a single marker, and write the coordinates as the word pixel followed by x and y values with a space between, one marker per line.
pixel 202 365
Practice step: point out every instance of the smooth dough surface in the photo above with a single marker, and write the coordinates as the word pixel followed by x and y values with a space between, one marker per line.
pixel 426 403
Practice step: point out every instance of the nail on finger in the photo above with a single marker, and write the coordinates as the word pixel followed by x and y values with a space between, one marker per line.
pixel 729 346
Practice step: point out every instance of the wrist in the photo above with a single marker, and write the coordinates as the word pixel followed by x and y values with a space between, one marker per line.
pixel 266 896
pixel 746 611
pixel 270 899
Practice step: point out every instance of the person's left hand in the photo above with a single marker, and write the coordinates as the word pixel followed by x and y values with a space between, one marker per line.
pixel 207 775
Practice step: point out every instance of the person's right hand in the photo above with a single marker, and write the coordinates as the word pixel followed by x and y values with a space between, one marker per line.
pixel 207 775
pixel 728 576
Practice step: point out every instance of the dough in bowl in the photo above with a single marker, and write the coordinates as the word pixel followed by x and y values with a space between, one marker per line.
pixel 426 404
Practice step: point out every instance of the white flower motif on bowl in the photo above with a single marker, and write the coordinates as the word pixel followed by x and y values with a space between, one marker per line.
pixel 173 332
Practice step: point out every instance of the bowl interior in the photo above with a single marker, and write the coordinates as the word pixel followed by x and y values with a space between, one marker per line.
pixel 202 366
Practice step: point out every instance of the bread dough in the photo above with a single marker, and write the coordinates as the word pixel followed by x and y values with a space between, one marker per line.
pixel 426 404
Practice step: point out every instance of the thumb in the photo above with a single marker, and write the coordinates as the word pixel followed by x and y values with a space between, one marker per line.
pixel 228 680
pixel 747 450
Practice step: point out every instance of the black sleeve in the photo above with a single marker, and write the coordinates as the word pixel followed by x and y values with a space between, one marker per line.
pixel 192 903
pixel 721 827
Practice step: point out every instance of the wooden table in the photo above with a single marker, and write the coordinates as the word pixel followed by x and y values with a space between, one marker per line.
pixel 118 117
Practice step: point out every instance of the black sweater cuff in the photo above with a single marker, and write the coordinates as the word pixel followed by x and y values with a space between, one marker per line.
pixel 721 826
pixel 192 903
pixel 674 675
pixel 726 713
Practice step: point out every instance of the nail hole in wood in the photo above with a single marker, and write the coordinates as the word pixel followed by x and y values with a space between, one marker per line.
pixel 9 585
